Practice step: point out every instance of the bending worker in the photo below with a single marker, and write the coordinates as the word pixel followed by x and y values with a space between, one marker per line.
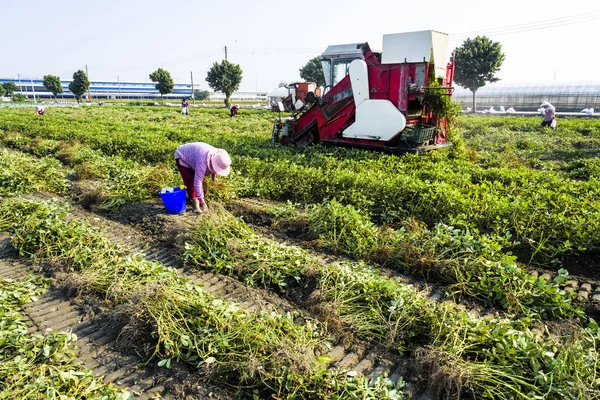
pixel 197 160
pixel 549 113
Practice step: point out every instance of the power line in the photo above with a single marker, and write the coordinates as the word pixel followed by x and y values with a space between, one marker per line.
pixel 532 26
pixel 532 23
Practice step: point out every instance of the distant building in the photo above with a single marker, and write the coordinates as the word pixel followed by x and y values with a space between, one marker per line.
pixel 564 97
pixel 124 90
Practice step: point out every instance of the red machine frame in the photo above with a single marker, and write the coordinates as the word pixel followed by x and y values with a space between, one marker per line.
pixel 325 120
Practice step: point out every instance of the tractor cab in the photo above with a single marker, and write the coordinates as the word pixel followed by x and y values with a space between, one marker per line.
pixel 336 61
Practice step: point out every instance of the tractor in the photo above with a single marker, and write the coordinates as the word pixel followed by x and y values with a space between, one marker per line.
pixel 376 100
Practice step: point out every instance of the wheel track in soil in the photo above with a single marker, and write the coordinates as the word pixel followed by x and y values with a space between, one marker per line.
pixel 96 346
pixel 362 359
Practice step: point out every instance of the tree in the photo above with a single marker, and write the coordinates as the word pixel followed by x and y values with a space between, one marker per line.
pixel 476 62
pixel 52 83
pixel 2 91
pixel 313 72
pixel 79 85
pixel 282 84
pixel 164 82
pixel 225 77
pixel 9 88
pixel 201 94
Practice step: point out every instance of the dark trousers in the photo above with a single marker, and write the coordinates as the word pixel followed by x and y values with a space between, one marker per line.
pixel 188 179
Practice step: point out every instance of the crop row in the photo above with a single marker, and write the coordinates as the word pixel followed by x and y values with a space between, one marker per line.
pixel 546 213
pixel 176 318
pixel 494 357
pixel 473 264
pixel 41 365
pixel 491 356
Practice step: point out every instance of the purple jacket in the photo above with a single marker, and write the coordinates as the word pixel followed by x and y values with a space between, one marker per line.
pixel 195 156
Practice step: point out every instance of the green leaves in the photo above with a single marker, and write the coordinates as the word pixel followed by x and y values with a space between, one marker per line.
pixel 312 71
pixel 53 84
pixel 80 84
pixel 476 63
pixel 164 82
pixel 224 77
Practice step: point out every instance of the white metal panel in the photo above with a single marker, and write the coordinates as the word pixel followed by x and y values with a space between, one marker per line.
pixel 413 47
pixel 359 78
pixel 407 47
pixel 376 120
pixel 440 53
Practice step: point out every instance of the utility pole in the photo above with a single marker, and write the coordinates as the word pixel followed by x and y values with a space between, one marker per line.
pixel 33 89
pixel 119 83
pixel 226 52
pixel 26 92
pixel 88 76
pixel 19 79
pixel 193 95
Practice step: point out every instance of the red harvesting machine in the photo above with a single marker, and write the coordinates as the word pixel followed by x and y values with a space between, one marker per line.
pixel 376 100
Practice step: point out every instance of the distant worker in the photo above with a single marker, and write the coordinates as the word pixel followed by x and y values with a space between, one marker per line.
pixel 197 160
pixel 39 110
pixel 185 107
pixel 549 113
pixel 234 110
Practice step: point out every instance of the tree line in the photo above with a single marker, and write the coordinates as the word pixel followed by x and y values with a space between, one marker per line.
pixel 476 63
pixel 224 77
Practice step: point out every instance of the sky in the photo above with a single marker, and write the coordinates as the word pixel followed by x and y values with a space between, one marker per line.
pixel 544 41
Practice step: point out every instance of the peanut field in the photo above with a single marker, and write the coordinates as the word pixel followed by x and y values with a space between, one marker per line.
pixel 469 272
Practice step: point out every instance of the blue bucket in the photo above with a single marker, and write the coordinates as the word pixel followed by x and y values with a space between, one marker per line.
pixel 174 201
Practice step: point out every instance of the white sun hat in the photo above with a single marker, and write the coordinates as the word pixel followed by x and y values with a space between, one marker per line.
pixel 221 162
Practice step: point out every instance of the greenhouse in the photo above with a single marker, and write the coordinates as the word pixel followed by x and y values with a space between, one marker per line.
pixel 568 98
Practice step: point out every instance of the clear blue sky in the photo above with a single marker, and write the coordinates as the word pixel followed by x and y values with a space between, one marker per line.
pixel 272 40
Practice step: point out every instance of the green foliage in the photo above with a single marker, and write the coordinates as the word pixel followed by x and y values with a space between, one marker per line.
pixel 53 84
pixel 487 357
pixel 440 104
pixel 9 88
pixel 79 85
pixel 164 82
pixel 265 351
pixel 224 77
pixel 19 97
pixel 20 173
pixel 2 91
pixel 42 365
pixel 486 184
pixel 201 94
pixel 476 63
pixel 312 71
pixel 282 84
pixel 344 228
